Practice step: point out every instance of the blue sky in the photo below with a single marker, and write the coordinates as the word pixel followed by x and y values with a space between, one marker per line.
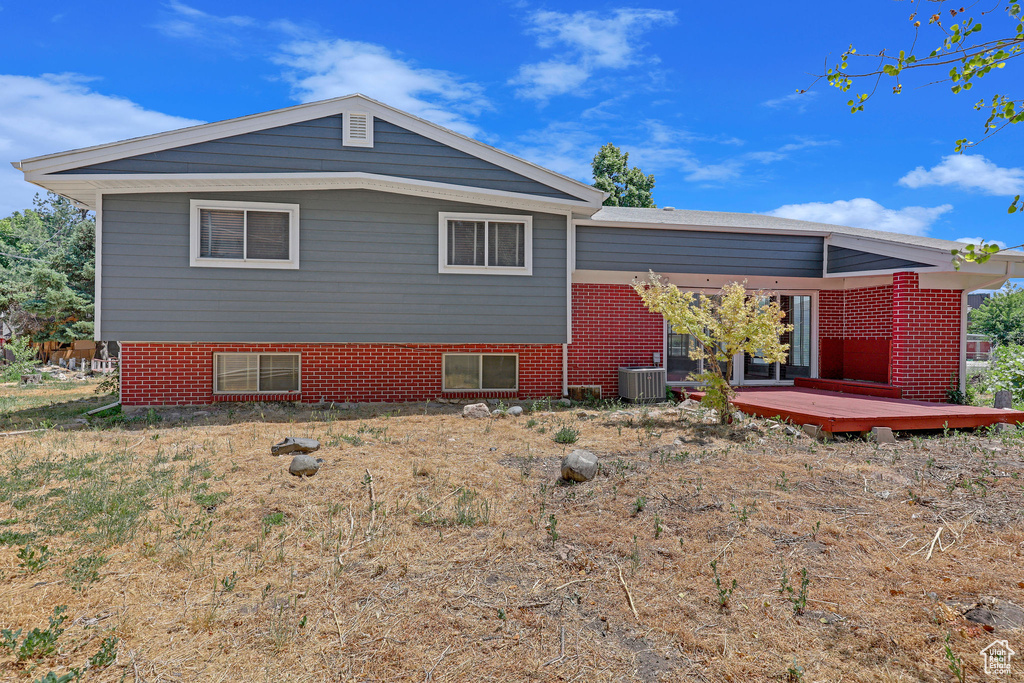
pixel 703 95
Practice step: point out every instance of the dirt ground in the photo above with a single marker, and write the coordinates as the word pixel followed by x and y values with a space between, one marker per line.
pixel 433 547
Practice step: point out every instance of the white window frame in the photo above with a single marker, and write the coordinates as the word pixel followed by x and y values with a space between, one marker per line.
pixel 442 243
pixel 292 263
pixel 298 390
pixel 480 371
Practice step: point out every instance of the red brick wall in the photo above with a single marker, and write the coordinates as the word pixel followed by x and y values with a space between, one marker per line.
pixel 925 338
pixel 182 374
pixel 855 333
pixel 611 327
pixel 911 333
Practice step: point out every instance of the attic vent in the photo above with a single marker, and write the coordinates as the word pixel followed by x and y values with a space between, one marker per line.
pixel 358 129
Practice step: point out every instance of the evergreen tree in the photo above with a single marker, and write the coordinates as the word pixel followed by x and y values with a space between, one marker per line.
pixel 626 186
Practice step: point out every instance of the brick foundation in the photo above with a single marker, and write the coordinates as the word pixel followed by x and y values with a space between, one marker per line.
pixel 610 327
pixel 182 374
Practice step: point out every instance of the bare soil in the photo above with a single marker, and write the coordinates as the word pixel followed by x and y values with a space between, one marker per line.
pixel 432 547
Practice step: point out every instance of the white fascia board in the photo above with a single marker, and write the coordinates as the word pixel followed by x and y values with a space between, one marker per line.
pixel 693 228
pixel 695 281
pixel 79 186
pixel 62 161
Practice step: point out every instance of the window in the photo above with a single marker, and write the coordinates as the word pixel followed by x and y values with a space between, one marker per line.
pixel 244 234
pixel 500 245
pixel 250 373
pixel 480 371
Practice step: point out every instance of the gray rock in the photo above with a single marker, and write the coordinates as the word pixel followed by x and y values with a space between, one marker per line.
pixel 812 430
pixel 295 444
pixel 493 401
pixel 580 465
pixel 1002 427
pixel 476 411
pixel 1004 399
pixel 564 402
pixel 882 435
pixel 304 466
pixel 515 411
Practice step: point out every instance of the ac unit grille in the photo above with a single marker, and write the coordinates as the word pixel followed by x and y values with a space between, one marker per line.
pixel 642 384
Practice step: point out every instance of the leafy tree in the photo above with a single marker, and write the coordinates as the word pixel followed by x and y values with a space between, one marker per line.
pixel 47 270
pixel 963 54
pixel 1001 316
pixel 626 186
pixel 736 322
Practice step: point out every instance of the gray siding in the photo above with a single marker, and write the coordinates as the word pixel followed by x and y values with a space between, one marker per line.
pixel 314 146
pixel 695 251
pixel 368 274
pixel 843 260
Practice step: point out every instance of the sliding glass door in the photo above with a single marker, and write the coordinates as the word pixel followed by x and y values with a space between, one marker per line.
pixel 756 370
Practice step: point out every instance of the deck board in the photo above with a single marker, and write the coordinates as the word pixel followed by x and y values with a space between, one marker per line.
pixel 840 412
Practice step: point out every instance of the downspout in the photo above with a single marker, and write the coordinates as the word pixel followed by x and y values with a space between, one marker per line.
pixel 570 264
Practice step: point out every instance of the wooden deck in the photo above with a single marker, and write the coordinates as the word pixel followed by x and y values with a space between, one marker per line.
pixel 837 412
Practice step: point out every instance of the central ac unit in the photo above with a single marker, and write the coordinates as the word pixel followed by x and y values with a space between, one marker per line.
pixel 642 384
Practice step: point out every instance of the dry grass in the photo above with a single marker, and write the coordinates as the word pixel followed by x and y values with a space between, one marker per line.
pixel 188 541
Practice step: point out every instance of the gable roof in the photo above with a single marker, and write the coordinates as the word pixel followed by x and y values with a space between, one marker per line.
pixel 40 169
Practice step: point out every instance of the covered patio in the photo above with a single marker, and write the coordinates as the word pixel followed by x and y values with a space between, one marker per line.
pixel 845 412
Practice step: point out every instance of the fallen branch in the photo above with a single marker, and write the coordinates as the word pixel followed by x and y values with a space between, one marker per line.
pixel 430 674
pixel 102 408
pixel 23 431
pixel 629 596
pixel 373 501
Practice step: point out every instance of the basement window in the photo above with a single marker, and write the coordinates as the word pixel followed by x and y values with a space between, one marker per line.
pixel 485 244
pixel 481 372
pixel 227 234
pixel 255 373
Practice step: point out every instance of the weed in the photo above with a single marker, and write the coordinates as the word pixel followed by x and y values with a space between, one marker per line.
pixel 73 674
pixel 106 655
pixel 210 501
pixel 8 537
pixel 657 526
pixel 39 642
pixel 954 662
pixel 33 561
pixel 228 582
pixel 724 593
pixel 798 599
pixel 567 434
pixel 271 520
pixel 552 528
pixel 531 423
pixel 634 554
pixel 783 483
pixel 639 504
pixel 84 570
pixel 742 514
pixel 795 672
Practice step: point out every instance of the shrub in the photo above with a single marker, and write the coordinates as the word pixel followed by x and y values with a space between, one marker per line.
pixel 24 360
pixel 1007 370
pixel 567 434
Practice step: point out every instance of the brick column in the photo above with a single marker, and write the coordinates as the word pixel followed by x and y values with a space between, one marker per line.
pixel 925 338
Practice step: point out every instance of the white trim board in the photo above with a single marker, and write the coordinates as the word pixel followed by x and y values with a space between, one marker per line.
pixel 62 161
pixel 83 188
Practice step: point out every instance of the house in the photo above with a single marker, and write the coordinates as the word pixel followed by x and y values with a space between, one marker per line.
pixel 344 250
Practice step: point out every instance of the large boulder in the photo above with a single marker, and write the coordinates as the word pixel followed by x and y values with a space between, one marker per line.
pixel 476 411
pixel 295 444
pixel 580 465
pixel 304 465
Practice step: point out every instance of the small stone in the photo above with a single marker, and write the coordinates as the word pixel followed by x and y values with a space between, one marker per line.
pixel 882 435
pixel 738 416
pixel 1003 399
pixel 295 444
pixel 304 466
pixel 812 431
pixel 564 402
pixel 493 401
pixel 476 411
pixel 580 465
pixel 1001 427
pixel 515 411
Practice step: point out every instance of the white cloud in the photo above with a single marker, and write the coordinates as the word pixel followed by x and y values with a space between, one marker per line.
pixel 796 100
pixel 320 69
pixel 185 21
pixel 59 112
pixel 968 172
pixel 589 41
pixel 865 213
